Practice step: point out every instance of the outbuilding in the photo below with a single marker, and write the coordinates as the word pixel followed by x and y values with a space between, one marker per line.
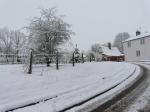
pixel 111 54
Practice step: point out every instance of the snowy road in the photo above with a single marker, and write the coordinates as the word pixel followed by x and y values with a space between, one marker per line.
pixel 64 88
pixel 142 102
pixel 138 97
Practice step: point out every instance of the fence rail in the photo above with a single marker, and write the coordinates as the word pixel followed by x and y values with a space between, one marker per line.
pixel 12 59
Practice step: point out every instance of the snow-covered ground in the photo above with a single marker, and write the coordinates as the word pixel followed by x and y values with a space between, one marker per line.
pixel 65 87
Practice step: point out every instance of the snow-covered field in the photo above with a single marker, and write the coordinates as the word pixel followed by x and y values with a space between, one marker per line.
pixel 65 87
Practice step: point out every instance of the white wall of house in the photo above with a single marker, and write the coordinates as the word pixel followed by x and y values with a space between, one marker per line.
pixel 136 46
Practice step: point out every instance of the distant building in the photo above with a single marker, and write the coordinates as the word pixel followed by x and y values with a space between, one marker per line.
pixel 111 54
pixel 137 48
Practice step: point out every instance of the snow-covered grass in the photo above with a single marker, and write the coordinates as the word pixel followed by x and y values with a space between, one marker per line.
pixel 65 87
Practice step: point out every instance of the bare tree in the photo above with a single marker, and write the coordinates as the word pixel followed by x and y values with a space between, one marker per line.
pixel 19 42
pixel 6 40
pixel 96 48
pixel 11 41
pixel 118 42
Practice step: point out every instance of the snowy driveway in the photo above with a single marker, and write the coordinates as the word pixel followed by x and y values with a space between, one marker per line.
pixel 64 87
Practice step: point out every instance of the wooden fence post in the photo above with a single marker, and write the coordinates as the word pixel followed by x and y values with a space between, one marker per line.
pixel 90 58
pixel 30 63
pixel 57 61
pixel 82 58
pixel 73 61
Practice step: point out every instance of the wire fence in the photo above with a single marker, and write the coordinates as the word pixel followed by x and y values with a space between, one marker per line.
pixel 33 60
pixel 12 59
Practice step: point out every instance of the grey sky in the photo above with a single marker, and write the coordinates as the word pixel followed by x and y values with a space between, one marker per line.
pixel 93 21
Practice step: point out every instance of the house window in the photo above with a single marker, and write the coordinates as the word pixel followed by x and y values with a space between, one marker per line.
pixel 129 43
pixel 142 41
pixel 138 53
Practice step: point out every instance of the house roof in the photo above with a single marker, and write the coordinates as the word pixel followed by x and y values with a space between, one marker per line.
pixel 137 37
pixel 111 52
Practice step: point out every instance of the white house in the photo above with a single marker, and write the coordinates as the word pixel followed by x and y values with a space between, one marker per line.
pixel 137 48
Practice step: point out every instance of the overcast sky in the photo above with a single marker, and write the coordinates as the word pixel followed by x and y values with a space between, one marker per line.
pixel 93 21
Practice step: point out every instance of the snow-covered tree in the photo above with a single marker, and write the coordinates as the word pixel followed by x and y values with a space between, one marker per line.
pixel 119 39
pixel 48 31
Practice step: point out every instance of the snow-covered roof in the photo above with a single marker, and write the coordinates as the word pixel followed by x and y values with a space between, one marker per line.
pixel 111 52
pixel 137 37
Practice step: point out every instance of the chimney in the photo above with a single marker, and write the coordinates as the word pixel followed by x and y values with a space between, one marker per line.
pixel 138 33
pixel 109 45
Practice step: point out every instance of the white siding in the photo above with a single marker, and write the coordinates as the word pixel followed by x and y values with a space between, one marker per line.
pixel 130 52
